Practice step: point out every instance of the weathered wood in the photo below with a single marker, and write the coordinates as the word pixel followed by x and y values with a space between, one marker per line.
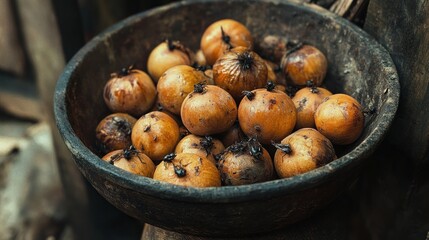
pixel 42 40
pixel 398 193
pixel 12 57
pixel 20 98
pixel 403 28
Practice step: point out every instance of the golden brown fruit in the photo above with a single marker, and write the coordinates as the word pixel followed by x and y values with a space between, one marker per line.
pixel 114 132
pixel 268 115
pixel 223 35
pixel 340 118
pixel 208 110
pixel 131 161
pixel 132 91
pixel 166 55
pixel 187 169
pixel 202 146
pixel 233 135
pixel 245 162
pixel 305 64
pixel 240 70
pixel 306 101
pixel 155 134
pixel 302 151
pixel 176 83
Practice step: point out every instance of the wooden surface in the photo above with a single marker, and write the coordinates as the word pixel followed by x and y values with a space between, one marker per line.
pixel 400 197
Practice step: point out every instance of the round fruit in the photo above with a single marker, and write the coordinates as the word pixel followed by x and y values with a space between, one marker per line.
pixel 302 151
pixel 340 118
pixel 187 169
pixel 240 70
pixel 131 91
pixel 208 110
pixel 306 101
pixel 176 83
pixel 166 55
pixel 114 132
pixel 304 63
pixel 131 161
pixel 233 135
pixel 155 134
pixel 245 162
pixel 223 35
pixel 203 146
pixel 267 114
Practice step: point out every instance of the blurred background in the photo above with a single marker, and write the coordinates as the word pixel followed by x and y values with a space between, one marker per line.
pixel 37 38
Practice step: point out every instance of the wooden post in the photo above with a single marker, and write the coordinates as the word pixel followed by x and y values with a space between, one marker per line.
pixel 396 204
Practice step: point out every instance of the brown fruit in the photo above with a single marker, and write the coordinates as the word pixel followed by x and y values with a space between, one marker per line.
pixel 305 63
pixel 132 91
pixel 238 70
pixel 272 47
pixel 223 35
pixel 306 101
pixel 233 135
pixel 155 134
pixel 176 83
pixel 131 161
pixel 187 169
pixel 245 162
pixel 267 114
pixel 302 151
pixel 202 146
pixel 208 110
pixel 166 55
pixel 340 118
pixel 114 132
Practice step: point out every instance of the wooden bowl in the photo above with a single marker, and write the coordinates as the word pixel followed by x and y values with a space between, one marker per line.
pixel 358 65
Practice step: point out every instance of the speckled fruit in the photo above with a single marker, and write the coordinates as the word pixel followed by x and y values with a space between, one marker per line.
pixel 176 83
pixel 203 146
pixel 245 162
pixel 223 35
pixel 131 91
pixel 306 101
pixel 208 110
pixel 188 169
pixel 268 115
pixel 131 161
pixel 302 151
pixel 155 134
pixel 166 55
pixel 114 132
pixel 340 118
pixel 305 64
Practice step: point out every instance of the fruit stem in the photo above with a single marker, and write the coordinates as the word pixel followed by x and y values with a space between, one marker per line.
pixel 270 86
pixel 245 60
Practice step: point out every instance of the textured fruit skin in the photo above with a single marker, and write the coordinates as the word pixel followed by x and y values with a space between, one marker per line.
pixel 240 168
pixel 155 134
pixel 200 172
pixel 193 144
pixel 309 150
pixel 114 132
pixel 176 83
pixel 161 58
pixel 212 45
pixel 235 77
pixel 306 101
pixel 340 118
pixel 133 93
pixel 138 163
pixel 305 64
pixel 210 112
pixel 269 116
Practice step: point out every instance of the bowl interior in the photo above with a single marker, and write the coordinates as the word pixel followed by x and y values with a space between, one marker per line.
pixel 357 66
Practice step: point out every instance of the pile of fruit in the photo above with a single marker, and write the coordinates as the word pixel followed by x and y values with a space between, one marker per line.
pixel 227 114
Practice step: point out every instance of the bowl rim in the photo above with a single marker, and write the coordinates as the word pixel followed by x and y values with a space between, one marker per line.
pixel 250 192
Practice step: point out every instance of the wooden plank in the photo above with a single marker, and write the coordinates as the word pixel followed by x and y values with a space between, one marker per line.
pixel 403 28
pixel 12 57
pixel 396 202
